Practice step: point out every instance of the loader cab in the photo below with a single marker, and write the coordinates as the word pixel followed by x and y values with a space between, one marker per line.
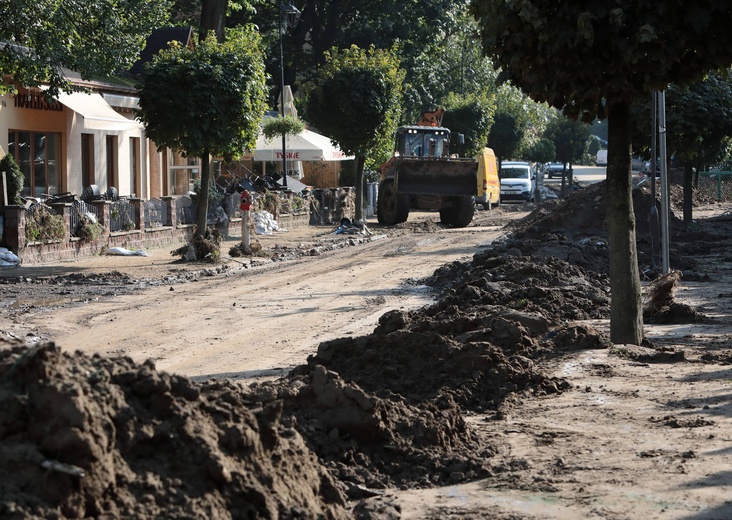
pixel 420 141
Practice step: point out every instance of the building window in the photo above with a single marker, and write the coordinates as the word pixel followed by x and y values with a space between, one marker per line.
pixel 88 175
pixel 39 155
pixel 135 179
pixel 112 153
pixel 183 173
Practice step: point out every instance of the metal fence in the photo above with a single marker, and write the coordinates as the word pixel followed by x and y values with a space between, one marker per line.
pixel 185 210
pixel 122 216
pixel 716 184
pixel 156 214
pixel 79 209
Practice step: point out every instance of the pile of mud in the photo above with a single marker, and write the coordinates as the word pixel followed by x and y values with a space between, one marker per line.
pixel 575 228
pixel 88 437
pixel 390 408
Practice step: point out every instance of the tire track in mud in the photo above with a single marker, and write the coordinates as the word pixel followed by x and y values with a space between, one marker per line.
pixel 264 319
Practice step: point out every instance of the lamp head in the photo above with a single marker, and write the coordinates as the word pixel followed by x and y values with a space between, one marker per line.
pixel 292 15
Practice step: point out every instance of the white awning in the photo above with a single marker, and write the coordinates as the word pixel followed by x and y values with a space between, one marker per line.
pixel 115 100
pixel 305 146
pixel 93 106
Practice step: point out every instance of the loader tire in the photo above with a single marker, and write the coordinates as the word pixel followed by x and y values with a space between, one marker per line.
pixel 459 213
pixel 391 208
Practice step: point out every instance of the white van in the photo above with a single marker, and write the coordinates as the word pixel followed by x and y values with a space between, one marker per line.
pixel 518 181
pixel 601 159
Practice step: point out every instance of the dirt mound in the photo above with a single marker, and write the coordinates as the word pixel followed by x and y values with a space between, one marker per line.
pixel 93 437
pixel 389 408
pixel 661 305
pixel 502 275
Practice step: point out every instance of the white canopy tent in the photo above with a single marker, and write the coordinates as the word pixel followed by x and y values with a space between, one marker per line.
pixel 305 146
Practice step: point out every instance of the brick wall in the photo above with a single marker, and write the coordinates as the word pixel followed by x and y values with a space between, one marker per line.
pixel 72 248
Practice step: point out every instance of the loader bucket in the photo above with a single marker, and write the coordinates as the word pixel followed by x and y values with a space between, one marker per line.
pixel 437 176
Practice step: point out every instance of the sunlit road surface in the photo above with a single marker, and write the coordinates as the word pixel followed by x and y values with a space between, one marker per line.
pixel 582 174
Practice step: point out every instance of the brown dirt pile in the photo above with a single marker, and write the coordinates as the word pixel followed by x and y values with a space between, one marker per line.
pixel 662 307
pixel 92 437
pixel 387 409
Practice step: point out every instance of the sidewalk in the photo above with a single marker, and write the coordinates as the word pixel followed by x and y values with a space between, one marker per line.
pixel 159 262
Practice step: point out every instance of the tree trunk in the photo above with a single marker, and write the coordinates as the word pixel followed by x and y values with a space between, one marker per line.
pixel 213 18
pixel 626 313
pixel 202 216
pixel 688 191
pixel 359 187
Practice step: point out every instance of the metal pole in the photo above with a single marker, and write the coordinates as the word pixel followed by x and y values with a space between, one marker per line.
pixel 665 199
pixel 653 217
pixel 282 104
pixel 654 139
pixel 245 238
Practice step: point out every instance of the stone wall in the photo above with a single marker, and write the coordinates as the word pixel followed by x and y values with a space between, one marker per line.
pixel 72 248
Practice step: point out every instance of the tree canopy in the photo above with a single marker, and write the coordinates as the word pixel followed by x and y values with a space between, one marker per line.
pixel 206 100
pixel 505 136
pixel 592 60
pixel 579 55
pixel 698 126
pixel 471 116
pixel 356 100
pixel 94 39
pixel 542 151
pixel 569 138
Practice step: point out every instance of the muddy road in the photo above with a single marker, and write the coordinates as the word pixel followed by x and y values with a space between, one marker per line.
pixel 435 373
pixel 243 318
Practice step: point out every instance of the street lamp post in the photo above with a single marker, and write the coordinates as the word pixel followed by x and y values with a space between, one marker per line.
pixel 292 15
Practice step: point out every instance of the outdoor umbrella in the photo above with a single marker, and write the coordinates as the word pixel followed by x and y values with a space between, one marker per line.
pixel 305 146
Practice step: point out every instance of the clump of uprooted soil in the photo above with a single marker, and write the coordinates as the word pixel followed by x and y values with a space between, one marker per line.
pixel 661 305
pixel 85 437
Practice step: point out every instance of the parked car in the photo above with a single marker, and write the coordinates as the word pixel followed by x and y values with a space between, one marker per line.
pixel 554 169
pixel 518 181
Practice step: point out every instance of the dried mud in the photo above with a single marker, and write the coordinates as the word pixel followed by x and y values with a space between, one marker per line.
pixel 389 409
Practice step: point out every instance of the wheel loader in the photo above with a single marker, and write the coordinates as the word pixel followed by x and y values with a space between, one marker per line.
pixel 421 174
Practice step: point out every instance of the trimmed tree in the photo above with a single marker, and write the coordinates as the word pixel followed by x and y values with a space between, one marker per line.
pixel 505 136
pixel 206 101
pixel 570 140
pixel 471 117
pixel 603 56
pixel 542 151
pixel 14 178
pixel 356 101
pixel 698 124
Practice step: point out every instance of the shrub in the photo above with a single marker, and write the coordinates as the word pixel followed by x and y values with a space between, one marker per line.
pixel 14 178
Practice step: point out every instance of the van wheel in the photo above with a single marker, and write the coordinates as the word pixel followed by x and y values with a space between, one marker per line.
pixel 459 213
pixel 487 206
pixel 391 207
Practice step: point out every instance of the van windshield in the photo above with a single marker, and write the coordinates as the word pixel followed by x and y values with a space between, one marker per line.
pixel 514 173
